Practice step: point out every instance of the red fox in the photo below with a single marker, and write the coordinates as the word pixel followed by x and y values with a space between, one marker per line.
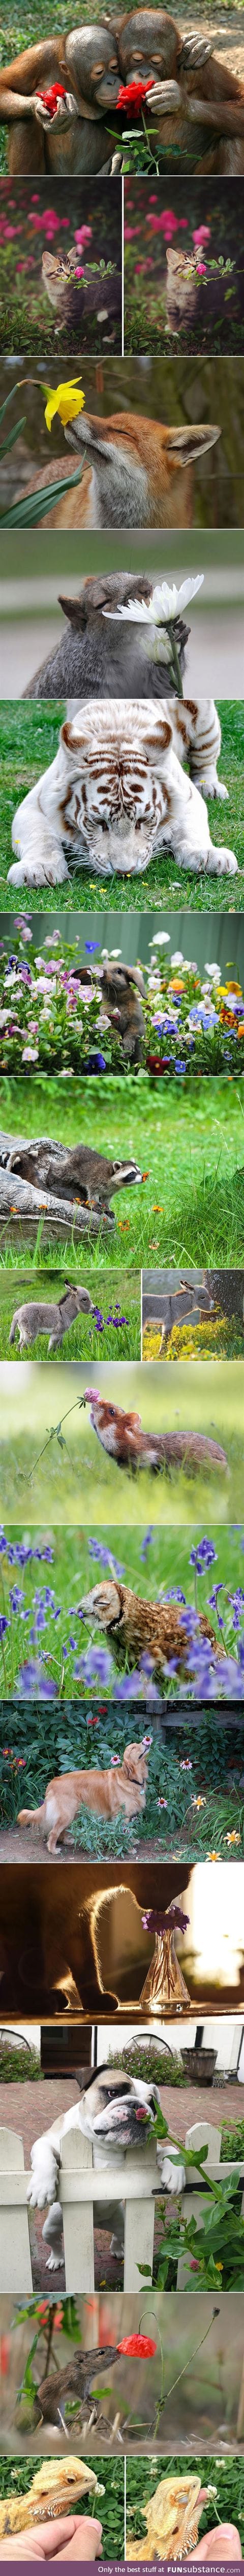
pixel 132 474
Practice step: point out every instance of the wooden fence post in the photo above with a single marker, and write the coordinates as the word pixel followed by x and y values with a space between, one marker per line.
pixel 15 2256
pixel 76 2158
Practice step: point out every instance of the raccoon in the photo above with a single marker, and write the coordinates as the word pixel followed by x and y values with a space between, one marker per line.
pixel 75 1172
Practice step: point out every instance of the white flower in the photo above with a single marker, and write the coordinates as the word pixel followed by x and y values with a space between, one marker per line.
pixel 161 939
pixel 163 605
pixel 213 971
pixel 178 959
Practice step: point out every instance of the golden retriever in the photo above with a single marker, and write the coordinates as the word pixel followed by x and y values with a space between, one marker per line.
pixel 105 1792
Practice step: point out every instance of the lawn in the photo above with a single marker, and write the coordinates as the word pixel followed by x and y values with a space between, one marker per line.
pixel 28 742
pixel 55 1472
pixel 43 1639
pixel 86 1340
pixel 190 1144
pixel 194 1792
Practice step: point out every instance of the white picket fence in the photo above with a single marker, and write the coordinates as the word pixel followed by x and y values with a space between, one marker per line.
pixel 79 2190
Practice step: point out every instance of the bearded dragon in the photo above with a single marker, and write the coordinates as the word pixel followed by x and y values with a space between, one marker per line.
pixel 55 2489
pixel 172 2518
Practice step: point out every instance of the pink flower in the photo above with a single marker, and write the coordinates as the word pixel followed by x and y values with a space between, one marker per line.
pixel 203 234
pixel 83 234
pixel 201 268
pixel 130 231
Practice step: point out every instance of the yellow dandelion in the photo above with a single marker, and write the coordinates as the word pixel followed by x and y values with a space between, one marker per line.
pixel 64 399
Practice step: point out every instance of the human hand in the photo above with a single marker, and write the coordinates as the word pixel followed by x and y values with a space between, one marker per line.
pixel 72 2536
pixel 222 2542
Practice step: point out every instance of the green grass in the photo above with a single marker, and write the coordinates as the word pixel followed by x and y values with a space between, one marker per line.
pixel 28 742
pixel 73 1571
pixel 49 1480
pixel 83 1342
pixel 226 2475
pixel 190 1143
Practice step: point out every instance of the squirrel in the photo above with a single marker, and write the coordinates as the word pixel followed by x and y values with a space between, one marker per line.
pixel 74 297
pixel 39 1317
pixel 55 2489
pixel 122 1436
pixel 77 1171
pixel 120 989
pixel 136 1627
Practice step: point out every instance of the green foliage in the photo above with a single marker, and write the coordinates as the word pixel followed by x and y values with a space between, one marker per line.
pixel 155 2065
pixel 232 2141
pixel 19 2065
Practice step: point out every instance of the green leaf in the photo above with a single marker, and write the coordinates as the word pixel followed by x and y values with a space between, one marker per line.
pixel 25 513
pixel 13 434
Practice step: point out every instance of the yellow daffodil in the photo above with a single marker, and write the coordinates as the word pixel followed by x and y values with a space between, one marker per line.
pixel 64 399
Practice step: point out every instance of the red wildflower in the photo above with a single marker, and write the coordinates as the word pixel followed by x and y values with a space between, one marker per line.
pixel 139 2347
pixel 131 98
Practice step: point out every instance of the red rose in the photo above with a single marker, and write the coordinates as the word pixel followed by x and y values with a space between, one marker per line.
pixel 131 98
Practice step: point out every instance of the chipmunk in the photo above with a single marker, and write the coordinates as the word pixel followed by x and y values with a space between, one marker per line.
pixel 55 2489
pixel 74 296
pixel 135 1627
pixel 77 1171
pixel 30 1320
pixel 122 1436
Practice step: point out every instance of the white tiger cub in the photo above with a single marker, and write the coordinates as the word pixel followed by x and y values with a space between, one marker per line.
pixel 117 793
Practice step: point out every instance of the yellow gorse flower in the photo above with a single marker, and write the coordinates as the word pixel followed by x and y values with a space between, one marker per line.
pixel 64 399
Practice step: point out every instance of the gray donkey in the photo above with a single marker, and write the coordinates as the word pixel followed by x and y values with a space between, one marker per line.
pixel 28 1321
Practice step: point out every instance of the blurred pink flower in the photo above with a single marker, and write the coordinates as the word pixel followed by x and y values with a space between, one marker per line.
pixel 203 233
pixel 83 234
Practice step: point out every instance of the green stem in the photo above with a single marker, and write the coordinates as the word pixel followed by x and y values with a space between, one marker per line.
pixel 56 1427
pixel 197 2348
pixel 175 661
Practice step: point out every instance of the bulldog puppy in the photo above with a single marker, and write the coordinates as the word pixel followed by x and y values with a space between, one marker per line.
pixel 110 2114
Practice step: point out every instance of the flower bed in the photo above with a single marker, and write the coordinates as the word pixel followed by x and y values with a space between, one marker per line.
pixel 52 1017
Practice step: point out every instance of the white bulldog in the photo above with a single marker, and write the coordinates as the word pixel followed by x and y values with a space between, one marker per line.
pixel 107 2113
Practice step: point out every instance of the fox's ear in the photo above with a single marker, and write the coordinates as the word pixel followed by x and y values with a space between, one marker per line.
pixel 184 445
